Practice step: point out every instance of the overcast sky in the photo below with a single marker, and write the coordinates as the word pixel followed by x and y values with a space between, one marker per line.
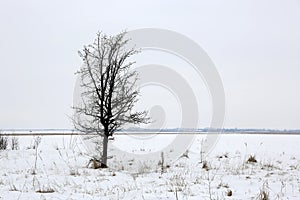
pixel 255 45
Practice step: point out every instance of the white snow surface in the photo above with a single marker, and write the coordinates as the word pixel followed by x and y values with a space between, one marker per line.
pixel 61 170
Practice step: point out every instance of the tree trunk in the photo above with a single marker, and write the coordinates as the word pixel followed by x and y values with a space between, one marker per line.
pixel 104 150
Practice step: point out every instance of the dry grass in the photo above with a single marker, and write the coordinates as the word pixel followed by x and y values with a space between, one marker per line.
pixel 251 159
pixel 3 142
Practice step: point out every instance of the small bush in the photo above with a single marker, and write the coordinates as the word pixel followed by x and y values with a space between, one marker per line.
pixel 264 192
pixel 3 142
pixel 252 159
pixel 14 143
pixel 263 195
pixel 144 167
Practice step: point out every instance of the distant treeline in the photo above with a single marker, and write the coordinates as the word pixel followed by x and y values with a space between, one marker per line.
pixel 200 130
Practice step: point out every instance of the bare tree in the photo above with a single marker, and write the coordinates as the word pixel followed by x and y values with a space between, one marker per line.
pixel 109 90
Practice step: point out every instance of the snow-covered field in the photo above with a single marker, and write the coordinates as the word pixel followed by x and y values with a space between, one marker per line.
pixel 57 168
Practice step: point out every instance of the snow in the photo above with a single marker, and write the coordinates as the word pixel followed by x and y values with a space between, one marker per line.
pixel 61 170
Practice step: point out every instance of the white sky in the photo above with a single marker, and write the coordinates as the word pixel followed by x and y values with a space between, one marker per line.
pixel 254 44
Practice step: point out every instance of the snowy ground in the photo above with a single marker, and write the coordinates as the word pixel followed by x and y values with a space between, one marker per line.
pixel 57 169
